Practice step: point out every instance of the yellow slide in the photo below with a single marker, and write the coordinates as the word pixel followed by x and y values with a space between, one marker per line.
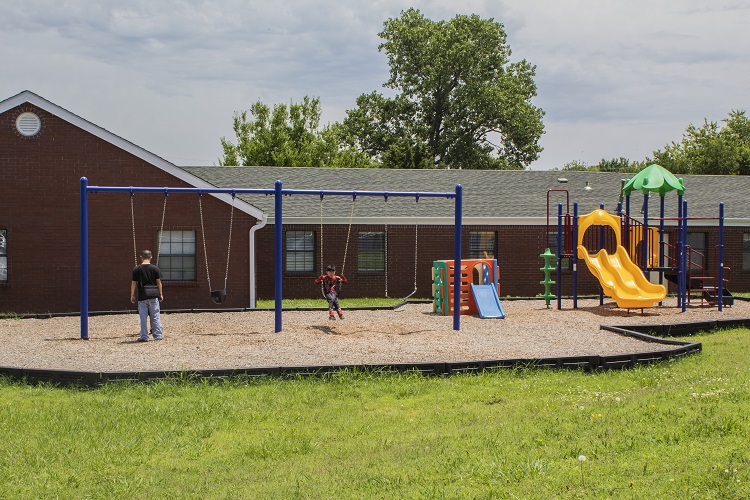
pixel 620 278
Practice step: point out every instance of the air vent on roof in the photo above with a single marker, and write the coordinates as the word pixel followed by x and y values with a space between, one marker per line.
pixel 28 124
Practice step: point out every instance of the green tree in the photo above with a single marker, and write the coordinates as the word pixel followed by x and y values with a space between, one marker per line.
pixel 459 101
pixel 287 136
pixel 710 149
pixel 614 165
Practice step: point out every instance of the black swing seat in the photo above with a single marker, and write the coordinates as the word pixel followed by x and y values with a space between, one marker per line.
pixel 219 296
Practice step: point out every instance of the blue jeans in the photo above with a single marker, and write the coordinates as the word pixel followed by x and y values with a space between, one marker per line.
pixel 333 301
pixel 146 308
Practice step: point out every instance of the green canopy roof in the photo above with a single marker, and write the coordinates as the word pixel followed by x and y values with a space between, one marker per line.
pixel 654 179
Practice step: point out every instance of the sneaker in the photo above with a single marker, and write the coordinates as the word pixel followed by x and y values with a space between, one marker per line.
pixel 341 315
pixel 332 317
pixel 139 339
pixel 157 338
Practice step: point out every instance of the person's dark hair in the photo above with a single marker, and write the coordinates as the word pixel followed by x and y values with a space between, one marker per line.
pixel 146 254
pixel 331 267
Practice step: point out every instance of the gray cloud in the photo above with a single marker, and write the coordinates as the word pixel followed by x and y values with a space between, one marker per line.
pixel 615 78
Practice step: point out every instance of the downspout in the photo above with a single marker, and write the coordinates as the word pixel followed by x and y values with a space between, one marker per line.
pixel 261 223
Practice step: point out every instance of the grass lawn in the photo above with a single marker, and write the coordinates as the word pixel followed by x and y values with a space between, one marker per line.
pixel 677 429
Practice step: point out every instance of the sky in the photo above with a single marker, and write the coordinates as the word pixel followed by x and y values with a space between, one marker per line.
pixel 615 78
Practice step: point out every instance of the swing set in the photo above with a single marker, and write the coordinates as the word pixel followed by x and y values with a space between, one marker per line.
pixel 218 296
pixel 278 192
pixel 402 301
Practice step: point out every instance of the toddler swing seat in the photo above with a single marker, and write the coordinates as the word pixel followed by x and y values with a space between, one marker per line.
pixel 218 296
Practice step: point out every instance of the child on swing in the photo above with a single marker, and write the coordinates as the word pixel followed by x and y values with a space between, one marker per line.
pixel 330 281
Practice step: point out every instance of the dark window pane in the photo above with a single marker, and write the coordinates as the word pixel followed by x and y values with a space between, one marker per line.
pixel 371 251
pixel 300 251
pixel 482 245
pixel 697 241
pixel 176 258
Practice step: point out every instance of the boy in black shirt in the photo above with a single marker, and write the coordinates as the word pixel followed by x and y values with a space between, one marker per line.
pixel 147 281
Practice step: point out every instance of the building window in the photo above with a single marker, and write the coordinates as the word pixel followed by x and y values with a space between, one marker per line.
pixel 371 255
pixel 697 241
pixel 300 251
pixel 3 255
pixel 177 256
pixel 552 245
pixel 482 245
pixel 745 251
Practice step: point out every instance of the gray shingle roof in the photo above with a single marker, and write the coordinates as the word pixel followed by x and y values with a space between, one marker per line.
pixel 492 197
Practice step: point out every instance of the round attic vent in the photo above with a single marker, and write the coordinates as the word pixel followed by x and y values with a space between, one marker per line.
pixel 28 124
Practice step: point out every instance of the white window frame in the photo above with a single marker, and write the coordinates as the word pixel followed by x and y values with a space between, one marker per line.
pixel 300 251
pixel 371 251
pixel 176 247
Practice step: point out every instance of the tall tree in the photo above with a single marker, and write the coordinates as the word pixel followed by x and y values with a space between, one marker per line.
pixel 288 136
pixel 459 101
pixel 710 149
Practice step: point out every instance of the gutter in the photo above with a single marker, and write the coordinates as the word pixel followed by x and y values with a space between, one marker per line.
pixel 261 223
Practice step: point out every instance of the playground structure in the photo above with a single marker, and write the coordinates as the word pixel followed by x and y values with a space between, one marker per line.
pixel 623 258
pixel 478 288
pixel 278 192
pixel 618 276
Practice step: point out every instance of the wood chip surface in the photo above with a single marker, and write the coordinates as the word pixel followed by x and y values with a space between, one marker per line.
pixel 410 334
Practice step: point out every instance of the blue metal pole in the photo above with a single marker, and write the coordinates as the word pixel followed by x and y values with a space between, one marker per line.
pixel 626 236
pixel 661 241
pixel 278 261
pixel 661 237
pixel 678 246
pixel 236 191
pixel 457 259
pixel 574 258
pixel 720 290
pixel 601 245
pixel 644 266
pixel 84 285
pixel 559 255
pixel 685 260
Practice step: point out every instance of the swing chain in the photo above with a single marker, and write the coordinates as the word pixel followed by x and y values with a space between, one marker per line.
pixel 322 269
pixel 132 219
pixel 349 232
pixel 385 264
pixel 229 248
pixel 161 228
pixel 203 238
pixel 416 241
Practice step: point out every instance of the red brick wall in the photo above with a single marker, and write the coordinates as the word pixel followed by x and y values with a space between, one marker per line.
pixel 39 206
pixel 518 258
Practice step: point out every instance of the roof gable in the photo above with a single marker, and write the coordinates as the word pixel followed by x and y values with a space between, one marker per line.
pixel 29 97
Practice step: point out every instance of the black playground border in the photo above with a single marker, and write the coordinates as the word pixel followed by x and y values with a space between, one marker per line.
pixel 647 333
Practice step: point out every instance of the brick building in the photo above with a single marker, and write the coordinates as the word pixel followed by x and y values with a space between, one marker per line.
pixel 45 150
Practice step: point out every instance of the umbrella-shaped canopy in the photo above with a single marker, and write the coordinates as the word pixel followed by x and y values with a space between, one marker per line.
pixel 654 179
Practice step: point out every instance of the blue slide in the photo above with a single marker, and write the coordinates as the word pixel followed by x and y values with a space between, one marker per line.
pixel 488 303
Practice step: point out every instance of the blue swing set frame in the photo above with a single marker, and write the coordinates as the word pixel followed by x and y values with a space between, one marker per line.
pixel 278 192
